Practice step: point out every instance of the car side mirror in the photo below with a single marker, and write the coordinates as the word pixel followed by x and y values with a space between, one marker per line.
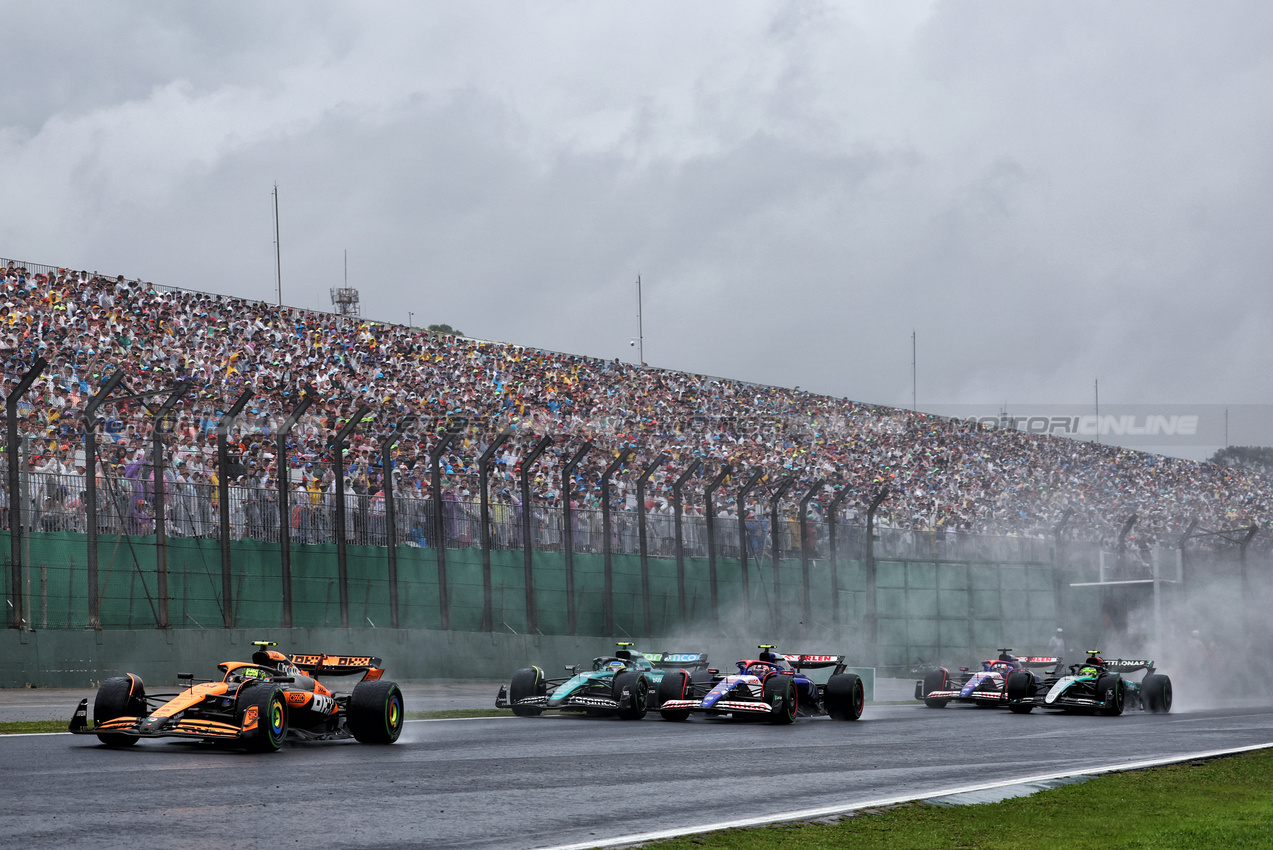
pixel 181 676
pixel 572 669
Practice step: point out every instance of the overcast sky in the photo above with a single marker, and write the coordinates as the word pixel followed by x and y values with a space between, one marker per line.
pixel 1046 193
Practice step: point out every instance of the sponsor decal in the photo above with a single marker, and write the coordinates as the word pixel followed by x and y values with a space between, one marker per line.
pixel 679 657
pixel 249 716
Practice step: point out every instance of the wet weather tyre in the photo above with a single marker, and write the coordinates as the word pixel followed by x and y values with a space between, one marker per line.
pixel 527 682
pixel 1019 686
pixel 845 697
pixel 935 680
pixel 638 693
pixel 675 684
pixel 271 718
pixel 116 698
pixel 780 695
pixel 1156 693
pixel 376 712
pixel 1111 691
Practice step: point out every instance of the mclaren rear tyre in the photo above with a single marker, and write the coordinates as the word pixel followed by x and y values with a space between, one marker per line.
pixel 271 718
pixel 780 694
pixel 845 697
pixel 119 696
pixel 376 712
pixel 1111 691
pixel 638 688
pixel 527 682
pixel 935 680
pixel 1155 693
pixel 674 686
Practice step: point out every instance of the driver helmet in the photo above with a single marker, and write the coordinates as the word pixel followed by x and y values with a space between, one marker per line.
pixel 1089 670
pixel 615 666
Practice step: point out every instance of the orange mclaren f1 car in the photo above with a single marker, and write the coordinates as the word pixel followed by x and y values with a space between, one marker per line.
pixel 256 704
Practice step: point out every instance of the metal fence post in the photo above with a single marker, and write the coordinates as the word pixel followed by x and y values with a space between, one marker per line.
pixel 283 476
pixel 709 517
pixel 643 548
pixel 741 499
pixel 528 544
pixel 484 484
pixel 161 531
pixel 676 523
pixel 338 458
pixel 568 533
pixel 607 592
pixel 391 517
pixel 223 495
pixel 776 547
pixel 439 527
pixel 872 624
pixel 15 503
pixel 806 601
pixel 90 492
pixel 832 508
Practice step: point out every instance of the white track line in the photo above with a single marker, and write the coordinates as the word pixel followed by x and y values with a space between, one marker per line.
pixel 842 808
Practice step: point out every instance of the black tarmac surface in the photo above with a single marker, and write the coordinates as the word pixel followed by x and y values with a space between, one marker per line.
pixel 540 782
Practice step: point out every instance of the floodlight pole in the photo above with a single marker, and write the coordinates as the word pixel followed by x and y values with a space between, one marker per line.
pixel 870 611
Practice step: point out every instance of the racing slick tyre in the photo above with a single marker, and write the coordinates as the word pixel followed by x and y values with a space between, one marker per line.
pixel 1155 693
pixel 375 712
pixel 527 682
pixel 116 698
pixel 845 697
pixel 935 680
pixel 1110 690
pixel 780 693
pixel 674 685
pixel 638 688
pixel 1020 685
pixel 271 718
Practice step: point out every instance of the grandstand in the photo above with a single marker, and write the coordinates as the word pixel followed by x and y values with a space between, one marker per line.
pixel 942 475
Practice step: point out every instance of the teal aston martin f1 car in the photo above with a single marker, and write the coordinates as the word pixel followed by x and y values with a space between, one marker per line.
pixel 1096 686
pixel 624 684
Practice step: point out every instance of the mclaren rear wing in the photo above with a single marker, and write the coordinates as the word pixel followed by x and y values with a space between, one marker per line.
pixel 340 665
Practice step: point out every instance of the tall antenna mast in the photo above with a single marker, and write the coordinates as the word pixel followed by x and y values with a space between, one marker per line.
pixel 912 370
pixel 1096 388
pixel 640 324
pixel 278 258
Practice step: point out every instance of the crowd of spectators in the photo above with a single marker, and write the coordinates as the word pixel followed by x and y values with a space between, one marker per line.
pixel 943 475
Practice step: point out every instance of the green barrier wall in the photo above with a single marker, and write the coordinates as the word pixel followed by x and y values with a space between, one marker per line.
pixel 928 611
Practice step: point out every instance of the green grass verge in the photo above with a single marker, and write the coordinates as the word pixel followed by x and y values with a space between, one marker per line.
pixel 15 727
pixel 1223 803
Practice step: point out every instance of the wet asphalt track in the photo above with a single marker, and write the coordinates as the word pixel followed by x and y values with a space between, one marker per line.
pixel 535 782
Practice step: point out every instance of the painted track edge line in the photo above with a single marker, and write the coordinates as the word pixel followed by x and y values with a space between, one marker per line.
pixel 844 808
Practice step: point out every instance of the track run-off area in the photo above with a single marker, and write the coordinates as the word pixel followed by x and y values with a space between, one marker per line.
pixel 558 781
